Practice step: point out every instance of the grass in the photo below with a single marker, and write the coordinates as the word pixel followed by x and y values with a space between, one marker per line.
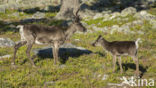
pixel 78 72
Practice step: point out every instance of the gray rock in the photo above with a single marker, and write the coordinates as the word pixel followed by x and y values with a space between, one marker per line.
pixel 106 17
pixel 144 15
pixel 98 29
pixel 137 22
pixel 140 32
pixel 16 14
pixel 114 28
pixel 128 11
pixel 153 23
pixel 62 66
pixel 6 42
pixel 38 15
pixel 105 77
pixel 2 9
pixel 98 15
pixel 87 13
pixel 13 6
pixel 116 14
pixel 5 56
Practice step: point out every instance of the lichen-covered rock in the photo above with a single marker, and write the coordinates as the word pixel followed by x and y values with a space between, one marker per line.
pixel 2 9
pixel 5 56
pixel 6 42
pixel 38 15
pixel 98 15
pixel 144 15
pixel 128 11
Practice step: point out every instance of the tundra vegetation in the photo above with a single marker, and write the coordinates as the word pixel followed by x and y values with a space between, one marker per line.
pixel 84 71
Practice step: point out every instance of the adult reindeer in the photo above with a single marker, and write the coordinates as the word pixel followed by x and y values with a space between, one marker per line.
pixel 52 35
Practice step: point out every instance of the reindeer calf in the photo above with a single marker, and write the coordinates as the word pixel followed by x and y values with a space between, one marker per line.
pixel 118 49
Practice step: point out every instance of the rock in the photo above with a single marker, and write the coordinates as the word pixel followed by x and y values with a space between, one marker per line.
pixel 87 13
pixel 105 76
pixel 51 8
pixel 5 56
pixel 144 15
pixel 116 14
pixel 140 32
pixel 106 17
pixel 12 26
pixel 137 22
pixel 128 11
pixel 65 51
pixel 153 23
pixel 114 28
pixel 2 9
pixel 13 6
pixel 6 42
pixel 62 66
pixel 15 14
pixel 98 15
pixel 98 29
pixel 38 15
pixel 125 29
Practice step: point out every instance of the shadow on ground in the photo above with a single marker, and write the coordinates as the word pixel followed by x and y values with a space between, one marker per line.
pixel 133 66
pixel 64 53
pixel 37 9
pixel 118 5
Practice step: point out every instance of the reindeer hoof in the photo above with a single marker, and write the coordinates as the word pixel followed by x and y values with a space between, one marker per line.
pixel 137 73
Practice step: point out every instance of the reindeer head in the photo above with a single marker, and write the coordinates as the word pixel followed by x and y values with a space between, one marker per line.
pixel 98 41
pixel 77 24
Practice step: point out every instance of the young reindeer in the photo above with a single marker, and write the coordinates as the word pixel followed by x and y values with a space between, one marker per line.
pixel 119 48
pixel 52 35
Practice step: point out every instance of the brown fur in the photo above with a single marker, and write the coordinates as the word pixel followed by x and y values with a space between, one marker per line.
pixel 53 35
pixel 119 48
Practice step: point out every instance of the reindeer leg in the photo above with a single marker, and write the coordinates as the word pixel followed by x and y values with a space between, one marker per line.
pixel 54 55
pixel 29 46
pixel 114 62
pixel 135 59
pixel 56 49
pixel 120 63
pixel 57 53
pixel 16 47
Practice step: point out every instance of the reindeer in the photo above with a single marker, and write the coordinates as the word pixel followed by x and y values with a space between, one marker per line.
pixel 52 35
pixel 118 49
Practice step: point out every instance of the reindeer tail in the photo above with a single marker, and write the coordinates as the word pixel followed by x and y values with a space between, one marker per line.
pixel 136 43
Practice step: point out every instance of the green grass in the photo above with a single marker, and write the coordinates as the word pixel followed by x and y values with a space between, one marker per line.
pixel 81 71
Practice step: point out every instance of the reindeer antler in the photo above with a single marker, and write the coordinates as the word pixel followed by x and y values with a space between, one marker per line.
pixel 76 14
